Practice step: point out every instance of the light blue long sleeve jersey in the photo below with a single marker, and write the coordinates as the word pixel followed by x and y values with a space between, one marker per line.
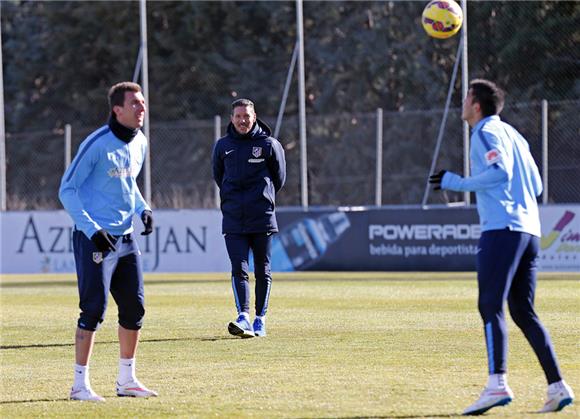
pixel 504 177
pixel 99 189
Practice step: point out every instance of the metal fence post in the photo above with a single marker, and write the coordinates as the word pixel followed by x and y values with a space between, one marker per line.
pixel 217 130
pixel 145 87
pixel 379 174
pixel 67 146
pixel 464 89
pixel 286 90
pixel 302 106
pixel 2 135
pixel 545 150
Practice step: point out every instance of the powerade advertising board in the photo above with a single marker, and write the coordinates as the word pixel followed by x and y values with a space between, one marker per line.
pixel 410 239
pixel 405 239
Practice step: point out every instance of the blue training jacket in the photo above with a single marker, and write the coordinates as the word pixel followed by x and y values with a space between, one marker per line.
pixel 504 176
pixel 99 189
pixel 249 170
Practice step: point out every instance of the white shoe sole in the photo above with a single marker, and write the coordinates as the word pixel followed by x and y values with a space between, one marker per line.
pixel 236 330
pixel 562 404
pixel 481 410
pixel 93 399
pixel 141 395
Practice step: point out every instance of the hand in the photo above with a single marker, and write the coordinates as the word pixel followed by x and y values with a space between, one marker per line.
pixel 436 179
pixel 147 218
pixel 104 241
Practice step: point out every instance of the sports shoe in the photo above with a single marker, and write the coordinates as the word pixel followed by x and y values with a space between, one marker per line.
pixel 490 397
pixel 259 327
pixel 241 327
pixel 560 395
pixel 134 389
pixel 85 394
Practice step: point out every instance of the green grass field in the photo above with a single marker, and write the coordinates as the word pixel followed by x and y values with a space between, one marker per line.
pixel 395 345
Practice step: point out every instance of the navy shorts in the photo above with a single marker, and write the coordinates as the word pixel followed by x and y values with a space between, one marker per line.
pixel 118 272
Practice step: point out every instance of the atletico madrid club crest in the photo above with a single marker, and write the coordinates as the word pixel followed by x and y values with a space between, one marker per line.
pixel 97 257
pixel 256 151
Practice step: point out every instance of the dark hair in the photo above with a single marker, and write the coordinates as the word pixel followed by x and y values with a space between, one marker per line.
pixel 117 93
pixel 242 102
pixel 488 95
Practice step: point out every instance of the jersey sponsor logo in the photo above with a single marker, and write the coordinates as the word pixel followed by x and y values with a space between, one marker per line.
pixel 97 257
pixel 120 172
pixel 256 151
pixel 492 156
pixel 255 160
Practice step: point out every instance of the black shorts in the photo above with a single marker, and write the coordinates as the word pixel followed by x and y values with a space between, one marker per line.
pixel 99 273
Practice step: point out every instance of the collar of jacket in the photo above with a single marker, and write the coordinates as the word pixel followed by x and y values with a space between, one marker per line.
pixel 121 131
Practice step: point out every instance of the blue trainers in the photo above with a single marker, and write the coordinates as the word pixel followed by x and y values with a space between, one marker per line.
pixel 259 327
pixel 241 327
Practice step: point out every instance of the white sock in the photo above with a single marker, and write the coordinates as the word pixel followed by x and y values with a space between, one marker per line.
pixel 557 386
pixel 263 318
pixel 126 371
pixel 246 315
pixel 497 381
pixel 81 377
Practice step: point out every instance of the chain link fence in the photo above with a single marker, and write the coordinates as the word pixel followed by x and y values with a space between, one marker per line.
pixel 341 140
pixel 341 158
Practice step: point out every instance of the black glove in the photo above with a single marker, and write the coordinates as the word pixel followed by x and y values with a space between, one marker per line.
pixel 147 218
pixel 436 179
pixel 104 241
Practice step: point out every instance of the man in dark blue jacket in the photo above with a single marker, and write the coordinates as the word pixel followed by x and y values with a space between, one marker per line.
pixel 249 168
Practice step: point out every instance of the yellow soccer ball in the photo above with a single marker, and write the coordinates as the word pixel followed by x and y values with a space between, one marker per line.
pixel 442 18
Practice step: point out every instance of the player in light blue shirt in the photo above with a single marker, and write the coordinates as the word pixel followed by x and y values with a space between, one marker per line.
pixel 504 177
pixel 99 190
pixel 506 182
pixel 102 193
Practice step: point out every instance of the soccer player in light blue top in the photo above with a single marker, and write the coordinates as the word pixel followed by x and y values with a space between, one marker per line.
pixel 506 182
pixel 99 190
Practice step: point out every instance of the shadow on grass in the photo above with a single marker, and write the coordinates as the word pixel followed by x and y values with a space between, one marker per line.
pixel 141 341
pixel 34 401
pixel 439 415
pixel 193 281
pixel 54 284
pixel 65 399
